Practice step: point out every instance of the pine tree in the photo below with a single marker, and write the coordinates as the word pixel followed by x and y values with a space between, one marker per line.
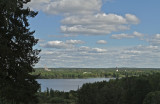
pixel 17 55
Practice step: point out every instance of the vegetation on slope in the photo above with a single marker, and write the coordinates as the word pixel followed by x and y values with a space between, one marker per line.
pixel 144 89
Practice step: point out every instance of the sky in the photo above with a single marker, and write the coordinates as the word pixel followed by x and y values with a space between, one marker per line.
pixel 97 33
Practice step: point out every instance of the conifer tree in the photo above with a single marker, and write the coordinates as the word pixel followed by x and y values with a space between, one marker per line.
pixel 17 55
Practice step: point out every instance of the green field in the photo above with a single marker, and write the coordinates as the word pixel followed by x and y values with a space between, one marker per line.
pixel 68 73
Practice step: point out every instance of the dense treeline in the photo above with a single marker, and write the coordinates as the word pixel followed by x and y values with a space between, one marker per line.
pixel 92 72
pixel 57 97
pixel 144 89
pixel 129 90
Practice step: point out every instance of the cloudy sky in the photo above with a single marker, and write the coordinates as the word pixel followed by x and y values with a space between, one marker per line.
pixel 97 33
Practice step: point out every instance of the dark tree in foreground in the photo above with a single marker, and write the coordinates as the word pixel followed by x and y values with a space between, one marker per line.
pixel 152 98
pixel 17 56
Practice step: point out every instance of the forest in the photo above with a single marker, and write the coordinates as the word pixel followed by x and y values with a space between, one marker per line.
pixel 71 73
pixel 144 89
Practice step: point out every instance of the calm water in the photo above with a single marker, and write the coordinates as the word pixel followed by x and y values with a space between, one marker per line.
pixel 67 84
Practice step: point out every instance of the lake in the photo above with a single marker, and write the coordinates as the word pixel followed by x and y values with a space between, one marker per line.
pixel 67 84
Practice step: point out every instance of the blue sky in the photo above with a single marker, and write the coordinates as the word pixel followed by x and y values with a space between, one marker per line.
pixel 97 33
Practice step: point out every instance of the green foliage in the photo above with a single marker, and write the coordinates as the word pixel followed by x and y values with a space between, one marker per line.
pixel 89 93
pixel 143 89
pixel 127 90
pixel 17 56
pixel 152 98
pixel 57 97
pixel 92 72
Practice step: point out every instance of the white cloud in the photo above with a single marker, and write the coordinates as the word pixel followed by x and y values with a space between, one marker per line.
pixel 85 16
pixel 123 57
pixel 98 24
pixel 92 29
pixel 79 56
pixel 38 4
pixel 46 52
pixel 83 48
pixel 157 36
pixel 56 44
pixel 146 48
pixel 155 40
pixel 84 56
pixel 89 50
pixel 87 30
pixel 61 45
pixel 120 36
pixel 123 35
pixel 67 7
pixel 132 19
pixel 100 18
pixel 101 42
pixel 74 41
pixel 99 50
pixel 137 34
pixel 132 52
pixel 152 47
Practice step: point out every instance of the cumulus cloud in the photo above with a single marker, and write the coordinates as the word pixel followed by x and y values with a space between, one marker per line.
pixel 155 40
pixel 85 16
pixel 100 18
pixel 84 56
pixel 96 24
pixel 120 36
pixel 152 47
pixel 83 48
pixel 88 50
pixel 47 52
pixel 145 48
pixel 101 50
pixel 132 52
pixel 67 7
pixel 137 34
pixel 56 44
pixel 74 41
pixel 60 44
pixel 38 4
pixel 92 29
pixel 78 56
pixel 132 18
pixel 157 36
pixel 101 42
pixel 123 35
